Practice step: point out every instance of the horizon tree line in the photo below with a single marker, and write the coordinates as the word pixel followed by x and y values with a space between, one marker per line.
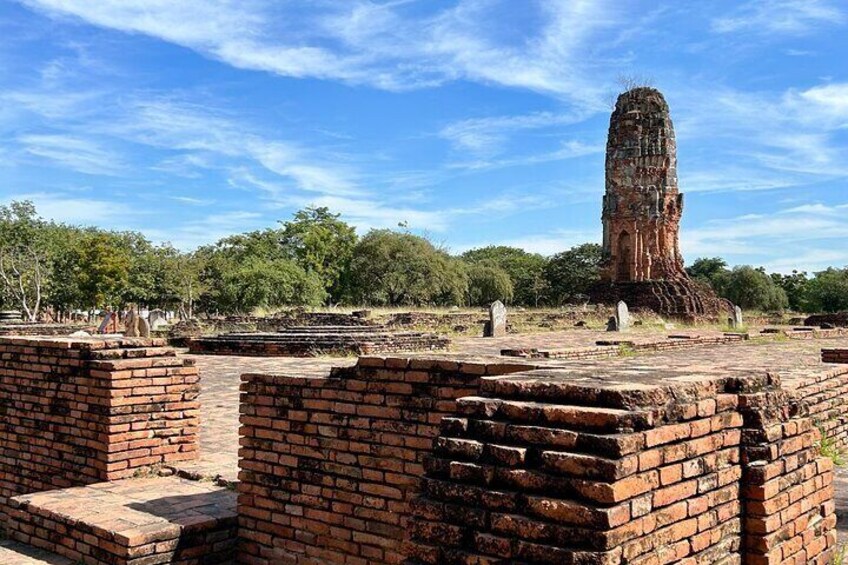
pixel 50 269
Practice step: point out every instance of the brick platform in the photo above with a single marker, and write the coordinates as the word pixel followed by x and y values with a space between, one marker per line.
pixel 337 488
pixel 132 522
pixel 618 348
pixel 315 341
pixel 77 412
pixel 697 456
pixel 569 467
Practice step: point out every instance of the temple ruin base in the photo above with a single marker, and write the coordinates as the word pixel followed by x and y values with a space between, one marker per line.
pixel 679 299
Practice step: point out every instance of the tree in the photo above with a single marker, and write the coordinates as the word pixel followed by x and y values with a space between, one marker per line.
pixel 753 289
pixel 265 283
pixel 525 270
pixel 488 282
pixel 399 268
pixel 573 272
pixel 187 269
pixel 320 243
pixel 104 264
pixel 711 271
pixel 827 291
pixel 24 257
pixel 795 287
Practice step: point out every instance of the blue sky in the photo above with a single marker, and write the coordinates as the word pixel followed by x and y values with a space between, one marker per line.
pixel 475 122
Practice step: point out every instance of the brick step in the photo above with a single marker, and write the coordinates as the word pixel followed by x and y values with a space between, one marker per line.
pixel 16 553
pixel 561 416
pixel 145 521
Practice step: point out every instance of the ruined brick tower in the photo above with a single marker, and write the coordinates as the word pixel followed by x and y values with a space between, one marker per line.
pixel 641 214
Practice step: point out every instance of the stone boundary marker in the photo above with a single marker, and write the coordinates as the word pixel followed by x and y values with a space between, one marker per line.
pixel 81 411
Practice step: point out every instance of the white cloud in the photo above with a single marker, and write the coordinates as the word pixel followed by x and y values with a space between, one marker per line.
pixel 544 244
pixel 192 234
pixel 787 239
pixel 67 208
pixel 486 135
pixel 380 45
pixel 795 17
pixel 763 140
pixel 75 153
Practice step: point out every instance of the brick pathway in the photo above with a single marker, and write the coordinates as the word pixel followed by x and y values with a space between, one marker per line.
pixel 14 553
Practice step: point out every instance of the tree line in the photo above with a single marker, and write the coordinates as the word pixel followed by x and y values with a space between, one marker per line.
pixel 51 269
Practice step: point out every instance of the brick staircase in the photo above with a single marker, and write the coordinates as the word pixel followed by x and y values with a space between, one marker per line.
pixel 308 341
pixel 144 521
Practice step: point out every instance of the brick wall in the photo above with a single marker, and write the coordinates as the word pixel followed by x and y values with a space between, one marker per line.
pixel 788 486
pixel 436 462
pixel 329 465
pixel 75 412
pixel 546 473
pixel 550 471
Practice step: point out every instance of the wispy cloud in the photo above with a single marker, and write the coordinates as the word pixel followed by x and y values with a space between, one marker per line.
pixel 75 153
pixel 780 241
pixel 379 44
pixel 764 140
pixel 72 209
pixel 547 244
pixel 486 136
pixel 795 17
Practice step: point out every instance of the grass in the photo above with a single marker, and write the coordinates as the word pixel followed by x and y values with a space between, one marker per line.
pixel 625 350
pixel 828 447
pixel 839 556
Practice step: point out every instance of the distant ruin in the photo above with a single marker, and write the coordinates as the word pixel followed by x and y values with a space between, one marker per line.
pixel 641 215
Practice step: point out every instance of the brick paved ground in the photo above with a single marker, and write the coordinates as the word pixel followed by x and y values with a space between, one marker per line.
pixel 14 553
pixel 132 521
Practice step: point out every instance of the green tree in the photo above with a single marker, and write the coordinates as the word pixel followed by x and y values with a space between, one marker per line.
pixel 712 271
pixel 795 287
pixel 103 269
pixel 573 272
pixel 24 257
pixel 488 282
pixel 753 289
pixel 399 268
pixel 827 291
pixel 320 243
pixel 262 283
pixel 525 270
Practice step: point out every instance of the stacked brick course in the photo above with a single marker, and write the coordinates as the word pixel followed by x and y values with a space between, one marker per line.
pixel 329 465
pixel 311 342
pixel 544 472
pixel 76 412
pixel 623 347
pixel 788 487
pixel 132 522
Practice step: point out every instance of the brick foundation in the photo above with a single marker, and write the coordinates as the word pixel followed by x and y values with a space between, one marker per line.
pixel 329 465
pixel 549 470
pixel 76 412
pixel 534 466
pixel 149 521
pixel 623 347
pixel 315 341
